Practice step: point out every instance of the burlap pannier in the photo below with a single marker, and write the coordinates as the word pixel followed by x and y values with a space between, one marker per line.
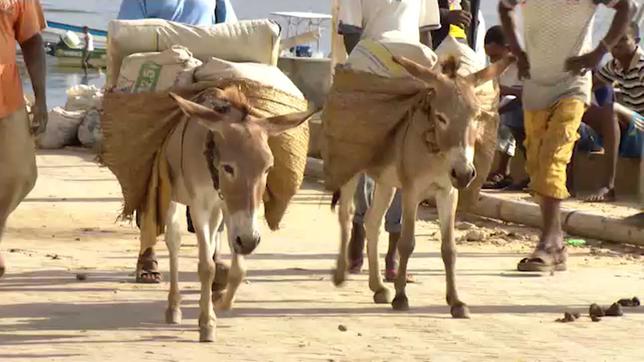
pixel 135 126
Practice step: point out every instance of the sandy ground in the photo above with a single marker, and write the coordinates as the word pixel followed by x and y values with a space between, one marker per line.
pixel 288 309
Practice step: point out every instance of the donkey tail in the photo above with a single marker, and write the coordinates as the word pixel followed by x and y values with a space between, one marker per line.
pixel 335 199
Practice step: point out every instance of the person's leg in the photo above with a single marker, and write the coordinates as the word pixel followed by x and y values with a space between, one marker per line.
pixel 551 136
pixel 362 200
pixel 18 171
pixel 604 121
pixel 393 219
pixel 506 146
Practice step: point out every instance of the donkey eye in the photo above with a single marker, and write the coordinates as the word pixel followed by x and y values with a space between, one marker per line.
pixel 229 170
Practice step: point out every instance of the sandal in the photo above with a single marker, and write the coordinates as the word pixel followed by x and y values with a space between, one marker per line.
pixel 544 260
pixel 147 268
pixel 497 182
pixel 392 274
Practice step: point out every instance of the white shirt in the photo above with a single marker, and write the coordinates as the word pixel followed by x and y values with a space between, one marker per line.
pixel 89 39
pixel 390 19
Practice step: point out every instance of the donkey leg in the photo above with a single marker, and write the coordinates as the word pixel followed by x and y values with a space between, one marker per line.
pixel 406 246
pixel 207 317
pixel 173 241
pixel 446 203
pixel 345 215
pixel 235 278
pixel 373 223
pixel 221 274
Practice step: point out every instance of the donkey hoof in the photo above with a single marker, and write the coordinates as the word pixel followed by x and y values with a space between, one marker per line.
pixel 460 311
pixel 223 306
pixel 173 316
pixel 217 296
pixel 381 296
pixel 339 277
pixel 400 303
pixel 206 334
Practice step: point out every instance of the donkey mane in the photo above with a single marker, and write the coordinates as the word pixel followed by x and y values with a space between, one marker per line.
pixel 451 66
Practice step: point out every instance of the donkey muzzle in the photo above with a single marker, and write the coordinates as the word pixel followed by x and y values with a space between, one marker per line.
pixel 462 178
pixel 244 245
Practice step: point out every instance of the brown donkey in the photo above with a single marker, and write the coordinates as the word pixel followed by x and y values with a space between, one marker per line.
pixel 430 155
pixel 222 142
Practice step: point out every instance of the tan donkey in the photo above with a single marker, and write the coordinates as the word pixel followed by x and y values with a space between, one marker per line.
pixel 224 144
pixel 429 156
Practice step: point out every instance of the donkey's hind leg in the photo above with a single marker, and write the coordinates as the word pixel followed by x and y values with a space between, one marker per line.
pixel 173 241
pixel 446 203
pixel 373 223
pixel 345 217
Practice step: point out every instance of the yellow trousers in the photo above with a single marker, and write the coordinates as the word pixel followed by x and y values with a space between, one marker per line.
pixel 550 138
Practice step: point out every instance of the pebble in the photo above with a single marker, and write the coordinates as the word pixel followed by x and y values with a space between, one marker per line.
pixel 342 328
pixel 81 276
pixel 475 235
pixel 465 226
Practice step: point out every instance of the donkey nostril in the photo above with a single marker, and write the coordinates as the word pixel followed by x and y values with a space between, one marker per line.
pixel 238 241
pixel 473 174
pixel 454 173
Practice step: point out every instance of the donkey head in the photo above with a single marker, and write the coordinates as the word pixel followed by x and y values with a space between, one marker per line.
pixel 454 108
pixel 242 157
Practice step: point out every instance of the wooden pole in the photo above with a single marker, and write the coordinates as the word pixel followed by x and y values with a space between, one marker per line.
pixel 574 222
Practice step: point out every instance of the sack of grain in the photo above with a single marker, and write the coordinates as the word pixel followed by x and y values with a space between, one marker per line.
pixel 149 72
pixel 83 98
pixel 375 57
pixel 268 75
pixel 61 129
pixel 89 130
pixel 244 41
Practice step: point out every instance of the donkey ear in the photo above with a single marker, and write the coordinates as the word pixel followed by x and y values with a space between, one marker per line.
pixel 204 115
pixel 276 125
pixel 492 71
pixel 416 69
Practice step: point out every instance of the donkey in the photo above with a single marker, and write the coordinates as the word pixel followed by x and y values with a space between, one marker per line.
pixel 222 145
pixel 428 156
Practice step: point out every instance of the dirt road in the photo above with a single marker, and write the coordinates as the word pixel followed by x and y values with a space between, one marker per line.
pixel 289 309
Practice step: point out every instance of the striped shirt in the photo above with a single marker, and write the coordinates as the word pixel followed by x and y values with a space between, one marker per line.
pixel 630 81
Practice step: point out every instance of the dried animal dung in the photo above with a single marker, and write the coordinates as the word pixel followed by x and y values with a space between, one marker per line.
pixel 595 311
pixel 615 310
pixel 626 302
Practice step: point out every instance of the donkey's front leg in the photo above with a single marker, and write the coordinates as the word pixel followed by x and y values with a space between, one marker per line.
pixel 236 276
pixel 173 241
pixel 345 218
pixel 446 202
pixel 373 222
pixel 406 245
pixel 207 318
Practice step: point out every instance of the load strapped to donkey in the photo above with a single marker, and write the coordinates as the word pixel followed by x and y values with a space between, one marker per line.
pixel 372 97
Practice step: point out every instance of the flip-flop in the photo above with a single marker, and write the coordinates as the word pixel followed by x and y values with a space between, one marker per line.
pixel 147 268
pixel 392 274
pixel 605 194
pixel 544 260
pixel 497 182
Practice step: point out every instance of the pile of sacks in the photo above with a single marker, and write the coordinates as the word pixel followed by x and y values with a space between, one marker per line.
pixel 76 123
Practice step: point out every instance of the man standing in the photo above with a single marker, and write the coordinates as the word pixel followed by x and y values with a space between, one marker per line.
pixel 88 48
pixel 556 67
pixel 411 20
pixel 20 21
pixel 192 12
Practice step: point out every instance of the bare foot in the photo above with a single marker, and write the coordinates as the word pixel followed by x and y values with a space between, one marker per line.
pixel 605 194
